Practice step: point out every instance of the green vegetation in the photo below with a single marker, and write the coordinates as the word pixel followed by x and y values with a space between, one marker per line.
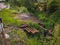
pixel 8 18
pixel 49 18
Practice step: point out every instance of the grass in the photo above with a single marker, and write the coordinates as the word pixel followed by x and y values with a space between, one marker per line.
pixel 8 19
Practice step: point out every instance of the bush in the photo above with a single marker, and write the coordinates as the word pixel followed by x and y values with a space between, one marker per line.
pixel 53 6
pixel 22 9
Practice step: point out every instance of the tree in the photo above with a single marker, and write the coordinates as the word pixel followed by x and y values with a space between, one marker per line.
pixel 53 6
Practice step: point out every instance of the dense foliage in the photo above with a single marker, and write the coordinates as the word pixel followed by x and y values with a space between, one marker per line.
pixel 50 20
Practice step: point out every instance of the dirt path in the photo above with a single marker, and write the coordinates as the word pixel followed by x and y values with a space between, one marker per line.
pixel 26 17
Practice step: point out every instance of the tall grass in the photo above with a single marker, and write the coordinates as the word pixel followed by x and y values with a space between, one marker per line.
pixel 8 17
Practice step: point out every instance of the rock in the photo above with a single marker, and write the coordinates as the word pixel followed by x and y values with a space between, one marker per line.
pixel 6 36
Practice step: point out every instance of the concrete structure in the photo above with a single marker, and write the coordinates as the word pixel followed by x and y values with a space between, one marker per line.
pixel 2 0
pixel 2 5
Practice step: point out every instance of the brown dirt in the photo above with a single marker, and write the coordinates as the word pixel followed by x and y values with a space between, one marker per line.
pixel 26 17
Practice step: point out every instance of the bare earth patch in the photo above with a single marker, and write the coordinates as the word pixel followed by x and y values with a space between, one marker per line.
pixel 26 17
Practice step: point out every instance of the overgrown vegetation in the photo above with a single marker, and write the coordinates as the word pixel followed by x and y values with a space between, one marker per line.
pixel 49 20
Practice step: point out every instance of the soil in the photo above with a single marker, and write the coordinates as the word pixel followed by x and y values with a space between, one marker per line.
pixel 26 17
